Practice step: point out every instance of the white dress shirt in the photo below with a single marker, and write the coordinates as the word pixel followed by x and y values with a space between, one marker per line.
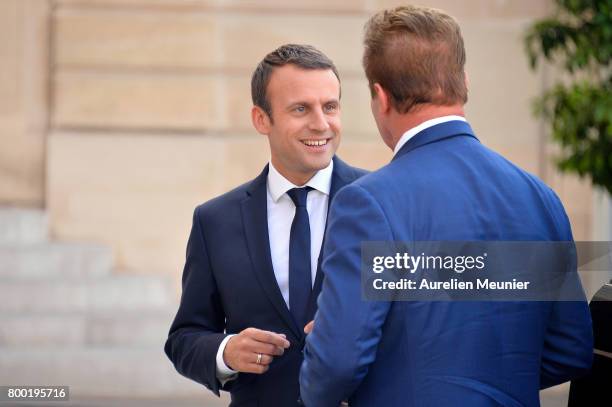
pixel 426 124
pixel 280 213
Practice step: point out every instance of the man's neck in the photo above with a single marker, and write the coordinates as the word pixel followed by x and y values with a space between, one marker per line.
pixel 296 178
pixel 403 122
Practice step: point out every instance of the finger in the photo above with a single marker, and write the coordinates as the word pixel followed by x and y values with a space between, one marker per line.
pixel 268 337
pixel 252 346
pixel 265 348
pixel 265 359
pixel 308 327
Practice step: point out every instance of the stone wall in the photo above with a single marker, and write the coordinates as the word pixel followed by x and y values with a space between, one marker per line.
pixel 24 105
pixel 149 107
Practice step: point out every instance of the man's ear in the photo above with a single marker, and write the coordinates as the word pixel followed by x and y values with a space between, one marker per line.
pixel 260 119
pixel 384 101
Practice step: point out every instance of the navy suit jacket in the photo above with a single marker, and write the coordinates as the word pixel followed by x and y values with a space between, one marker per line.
pixel 229 285
pixel 442 185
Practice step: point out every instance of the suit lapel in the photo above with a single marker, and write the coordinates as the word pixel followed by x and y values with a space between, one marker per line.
pixel 255 221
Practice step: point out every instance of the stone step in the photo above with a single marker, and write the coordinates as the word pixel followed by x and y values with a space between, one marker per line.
pixel 116 292
pixel 22 226
pixel 103 372
pixel 44 260
pixel 61 330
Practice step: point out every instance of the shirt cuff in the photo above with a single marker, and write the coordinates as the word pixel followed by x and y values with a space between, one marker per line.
pixel 224 373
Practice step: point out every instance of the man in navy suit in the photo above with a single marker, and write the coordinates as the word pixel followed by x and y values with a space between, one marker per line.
pixel 251 276
pixel 442 185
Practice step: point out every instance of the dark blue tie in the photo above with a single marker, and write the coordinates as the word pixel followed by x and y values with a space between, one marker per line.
pixel 300 280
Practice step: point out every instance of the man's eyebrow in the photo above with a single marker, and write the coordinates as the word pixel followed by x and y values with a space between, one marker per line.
pixel 309 104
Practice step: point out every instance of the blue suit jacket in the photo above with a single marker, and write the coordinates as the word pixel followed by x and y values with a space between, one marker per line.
pixel 229 285
pixel 442 185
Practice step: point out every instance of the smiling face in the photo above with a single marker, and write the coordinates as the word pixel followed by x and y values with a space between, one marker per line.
pixel 304 132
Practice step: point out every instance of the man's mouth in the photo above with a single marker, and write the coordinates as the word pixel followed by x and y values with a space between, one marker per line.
pixel 315 143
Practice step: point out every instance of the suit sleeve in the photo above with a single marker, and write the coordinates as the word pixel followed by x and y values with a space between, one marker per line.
pixel 198 328
pixel 568 348
pixel 347 329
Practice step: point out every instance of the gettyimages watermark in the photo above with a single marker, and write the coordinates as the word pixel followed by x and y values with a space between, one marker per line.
pixel 479 270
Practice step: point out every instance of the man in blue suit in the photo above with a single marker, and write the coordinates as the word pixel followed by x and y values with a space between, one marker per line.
pixel 251 276
pixel 442 185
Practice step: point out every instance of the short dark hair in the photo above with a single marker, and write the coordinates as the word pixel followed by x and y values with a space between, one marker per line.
pixel 302 56
pixel 417 55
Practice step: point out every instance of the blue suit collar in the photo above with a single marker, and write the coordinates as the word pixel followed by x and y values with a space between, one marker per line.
pixel 436 133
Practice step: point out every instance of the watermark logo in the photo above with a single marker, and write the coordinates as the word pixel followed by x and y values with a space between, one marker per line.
pixel 479 270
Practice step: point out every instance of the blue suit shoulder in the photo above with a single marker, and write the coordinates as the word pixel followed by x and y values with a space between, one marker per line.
pixel 222 211
pixel 549 197
pixel 534 179
pixel 219 205
pixel 420 170
pixel 358 172
pixel 348 172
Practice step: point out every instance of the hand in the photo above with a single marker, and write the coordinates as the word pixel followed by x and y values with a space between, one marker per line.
pixel 308 327
pixel 242 351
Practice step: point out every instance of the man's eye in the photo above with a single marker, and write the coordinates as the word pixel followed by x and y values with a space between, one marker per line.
pixel 299 109
pixel 332 107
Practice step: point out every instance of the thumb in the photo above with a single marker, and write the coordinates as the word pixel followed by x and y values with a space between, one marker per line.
pixel 308 327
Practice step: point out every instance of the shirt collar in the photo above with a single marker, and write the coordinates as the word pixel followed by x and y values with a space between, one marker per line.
pixel 426 124
pixel 278 185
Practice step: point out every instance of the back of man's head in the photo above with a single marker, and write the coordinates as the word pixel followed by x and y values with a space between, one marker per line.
pixel 302 56
pixel 417 55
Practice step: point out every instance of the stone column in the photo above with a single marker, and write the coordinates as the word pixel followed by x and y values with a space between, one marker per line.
pixel 24 72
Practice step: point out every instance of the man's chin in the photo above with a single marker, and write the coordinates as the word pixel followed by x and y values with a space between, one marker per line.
pixel 318 164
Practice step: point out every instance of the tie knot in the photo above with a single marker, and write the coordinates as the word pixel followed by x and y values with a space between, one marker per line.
pixel 299 195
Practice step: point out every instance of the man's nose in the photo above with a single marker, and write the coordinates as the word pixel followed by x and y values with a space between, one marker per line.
pixel 318 121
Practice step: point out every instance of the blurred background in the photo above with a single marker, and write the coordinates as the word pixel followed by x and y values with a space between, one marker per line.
pixel 118 117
